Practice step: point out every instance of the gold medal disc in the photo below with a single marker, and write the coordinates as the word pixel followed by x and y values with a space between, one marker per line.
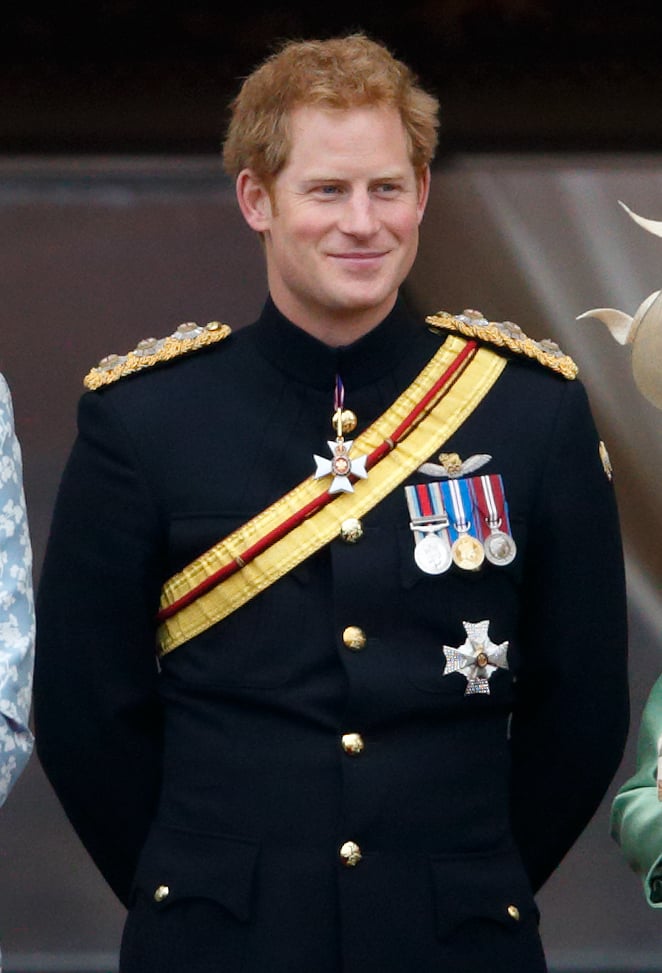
pixel 468 552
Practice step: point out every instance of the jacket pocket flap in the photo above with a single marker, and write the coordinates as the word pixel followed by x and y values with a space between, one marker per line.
pixel 492 886
pixel 176 864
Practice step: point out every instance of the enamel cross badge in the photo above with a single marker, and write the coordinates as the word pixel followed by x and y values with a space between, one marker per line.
pixel 340 466
pixel 477 658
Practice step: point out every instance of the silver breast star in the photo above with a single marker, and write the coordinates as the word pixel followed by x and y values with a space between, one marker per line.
pixel 477 658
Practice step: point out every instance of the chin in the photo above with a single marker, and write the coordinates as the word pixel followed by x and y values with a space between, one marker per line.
pixel 367 298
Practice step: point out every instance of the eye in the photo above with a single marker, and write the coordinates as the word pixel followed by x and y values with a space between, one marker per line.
pixel 328 189
pixel 388 188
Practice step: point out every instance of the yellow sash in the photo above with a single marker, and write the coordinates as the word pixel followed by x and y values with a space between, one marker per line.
pixel 313 533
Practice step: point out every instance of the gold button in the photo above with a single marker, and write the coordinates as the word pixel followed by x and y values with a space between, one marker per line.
pixel 354 638
pixel 161 893
pixel 351 530
pixel 513 912
pixel 350 854
pixel 348 421
pixel 352 743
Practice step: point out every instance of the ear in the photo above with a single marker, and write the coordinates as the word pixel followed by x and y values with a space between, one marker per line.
pixel 423 191
pixel 254 201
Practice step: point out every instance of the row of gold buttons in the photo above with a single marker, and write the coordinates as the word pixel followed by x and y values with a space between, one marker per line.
pixel 354 639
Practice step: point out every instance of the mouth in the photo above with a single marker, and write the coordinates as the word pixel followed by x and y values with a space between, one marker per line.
pixel 360 261
pixel 360 255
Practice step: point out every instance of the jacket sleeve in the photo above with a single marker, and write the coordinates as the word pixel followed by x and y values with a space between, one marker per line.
pixel 16 606
pixel 636 813
pixel 96 702
pixel 570 720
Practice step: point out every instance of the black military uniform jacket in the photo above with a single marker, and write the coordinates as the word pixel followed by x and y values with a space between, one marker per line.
pixel 215 791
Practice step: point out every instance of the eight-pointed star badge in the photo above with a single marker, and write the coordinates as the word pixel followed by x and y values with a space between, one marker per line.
pixel 477 658
pixel 340 466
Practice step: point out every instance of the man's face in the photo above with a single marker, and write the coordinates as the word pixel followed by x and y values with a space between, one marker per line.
pixel 340 223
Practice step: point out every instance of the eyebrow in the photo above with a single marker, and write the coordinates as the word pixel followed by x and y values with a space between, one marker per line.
pixel 384 177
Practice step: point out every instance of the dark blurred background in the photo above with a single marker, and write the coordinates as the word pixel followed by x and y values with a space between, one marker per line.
pixel 528 75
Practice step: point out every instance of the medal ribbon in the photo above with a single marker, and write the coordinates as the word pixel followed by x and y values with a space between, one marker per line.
pixel 458 500
pixel 425 503
pixel 489 504
pixel 338 406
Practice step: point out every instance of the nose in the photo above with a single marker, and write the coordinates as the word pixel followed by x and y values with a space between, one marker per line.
pixel 359 216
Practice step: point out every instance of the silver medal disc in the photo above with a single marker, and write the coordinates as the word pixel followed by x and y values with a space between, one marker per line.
pixel 433 554
pixel 500 548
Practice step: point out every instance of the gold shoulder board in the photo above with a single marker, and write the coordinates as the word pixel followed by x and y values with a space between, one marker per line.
pixel 505 334
pixel 151 351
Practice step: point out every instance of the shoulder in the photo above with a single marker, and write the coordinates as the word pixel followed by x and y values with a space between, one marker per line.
pixel 151 352
pixel 507 336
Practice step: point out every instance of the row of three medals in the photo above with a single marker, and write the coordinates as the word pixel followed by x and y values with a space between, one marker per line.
pixel 460 521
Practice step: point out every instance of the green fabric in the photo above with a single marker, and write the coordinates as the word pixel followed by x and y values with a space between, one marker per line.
pixel 636 814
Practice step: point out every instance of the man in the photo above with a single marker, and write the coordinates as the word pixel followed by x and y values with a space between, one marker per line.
pixel 382 564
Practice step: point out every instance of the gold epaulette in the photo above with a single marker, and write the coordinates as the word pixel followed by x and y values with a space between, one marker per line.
pixel 152 351
pixel 505 334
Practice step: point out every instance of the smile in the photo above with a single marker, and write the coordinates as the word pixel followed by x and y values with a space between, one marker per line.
pixel 360 255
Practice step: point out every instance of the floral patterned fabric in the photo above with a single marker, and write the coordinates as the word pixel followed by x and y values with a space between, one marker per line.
pixel 17 625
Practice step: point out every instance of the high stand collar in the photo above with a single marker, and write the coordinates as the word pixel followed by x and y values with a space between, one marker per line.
pixel 308 360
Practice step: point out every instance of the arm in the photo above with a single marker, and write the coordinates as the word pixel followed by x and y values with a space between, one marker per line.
pixel 16 606
pixel 636 813
pixel 97 709
pixel 570 720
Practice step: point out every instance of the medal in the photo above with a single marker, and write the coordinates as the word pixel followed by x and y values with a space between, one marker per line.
pixel 477 658
pixel 499 548
pixel 492 517
pixel 429 522
pixel 466 550
pixel 340 466
pixel 432 554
